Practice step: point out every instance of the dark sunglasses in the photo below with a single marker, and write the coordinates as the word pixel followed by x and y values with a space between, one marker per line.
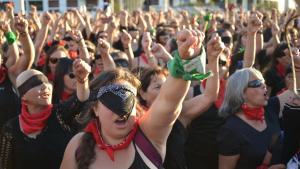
pixel 226 39
pixel 97 56
pixel 54 60
pixel 222 62
pixel 255 83
pixel 71 75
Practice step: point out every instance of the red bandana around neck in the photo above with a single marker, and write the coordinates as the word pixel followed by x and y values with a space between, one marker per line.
pixel 93 128
pixel 65 96
pixel 253 113
pixel 32 123
pixel 280 69
pixel 221 94
pixel 3 73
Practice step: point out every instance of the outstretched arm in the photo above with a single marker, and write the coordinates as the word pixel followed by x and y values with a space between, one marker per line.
pixel 26 61
pixel 196 106
pixel 157 122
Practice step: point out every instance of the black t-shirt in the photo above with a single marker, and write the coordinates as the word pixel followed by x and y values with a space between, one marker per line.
pixel 175 158
pixel 274 80
pixel 237 137
pixel 9 102
pixel 291 128
pixel 18 151
pixel 201 145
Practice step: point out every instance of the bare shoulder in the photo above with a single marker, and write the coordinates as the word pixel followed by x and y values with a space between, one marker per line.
pixel 69 161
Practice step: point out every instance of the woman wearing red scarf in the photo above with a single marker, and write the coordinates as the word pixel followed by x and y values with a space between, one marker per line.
pixel 250 137
pixel 153 79
pixel 112 139
pixel 38 136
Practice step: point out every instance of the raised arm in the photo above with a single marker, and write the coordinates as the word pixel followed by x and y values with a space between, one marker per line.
pixel 81 70
pixel 254 25
pixel 42 36
pixel 13 50
pixel 126 40
pixel 157 122
pixel 104 49
pixel 76 35
pixel 196 106
pixel 25 62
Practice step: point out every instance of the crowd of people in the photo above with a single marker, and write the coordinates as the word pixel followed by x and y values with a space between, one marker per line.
pixel 149 89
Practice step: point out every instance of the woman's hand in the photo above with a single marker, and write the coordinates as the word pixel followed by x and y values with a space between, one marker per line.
pixel 81 70
pixel 189 43
pixel 215 47
pixel 103 47
pixel 254 23
pixel 21 25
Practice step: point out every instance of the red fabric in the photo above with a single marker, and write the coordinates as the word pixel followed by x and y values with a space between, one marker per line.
pixel 144 57
pixel 97 70
pixel 64 96
pixel 73 54
pixel 281 91
pixel 221 94
pixel 263 166
pixel 50 77
pixel 280 70
pixel 32 123
pixel 254 113
pixel 3 73
pixel 42 60
pixel 93 128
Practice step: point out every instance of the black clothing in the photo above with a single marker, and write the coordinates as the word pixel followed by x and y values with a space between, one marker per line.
pixel 201 145
pixel 18 151
pixel 138 162
pixel 9 102
pixel 237 137
pixel 274 80
pixel 291 128
pixel 175 158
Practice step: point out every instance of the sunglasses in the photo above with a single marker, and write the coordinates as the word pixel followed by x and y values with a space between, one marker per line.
pixel 222 62
pixel 53 60
pixel 255 83
pixel 97 56
pixel 226 39
pixel 71 75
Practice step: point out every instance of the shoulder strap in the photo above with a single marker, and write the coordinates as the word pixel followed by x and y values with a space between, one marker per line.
pixel 148 149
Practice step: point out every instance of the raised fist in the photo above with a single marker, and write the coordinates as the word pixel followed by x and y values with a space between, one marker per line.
pixel 103 47
pixel 21 24
pixel 254 23
pixel 189 43
pixel 215 47
pixel 81 70
pixel 46 18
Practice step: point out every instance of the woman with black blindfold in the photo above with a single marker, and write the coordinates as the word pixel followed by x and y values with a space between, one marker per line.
pixel 38 136
pixel 117 138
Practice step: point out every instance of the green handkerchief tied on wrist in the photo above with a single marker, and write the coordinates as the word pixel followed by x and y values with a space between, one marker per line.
pixel 10 37
pixel 193 69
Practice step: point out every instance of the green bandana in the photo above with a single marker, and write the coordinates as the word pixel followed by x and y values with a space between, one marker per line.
pixel 193 69
pixel 10 37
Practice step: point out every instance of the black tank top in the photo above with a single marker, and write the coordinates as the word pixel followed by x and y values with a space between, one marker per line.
pixel 138 162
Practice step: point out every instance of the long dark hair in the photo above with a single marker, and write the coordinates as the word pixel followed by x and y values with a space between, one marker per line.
pixel 85 153
pixel 63 67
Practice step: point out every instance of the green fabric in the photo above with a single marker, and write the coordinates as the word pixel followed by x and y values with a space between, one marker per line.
pixel 10 37
pixel 208 17
pixel 193 69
